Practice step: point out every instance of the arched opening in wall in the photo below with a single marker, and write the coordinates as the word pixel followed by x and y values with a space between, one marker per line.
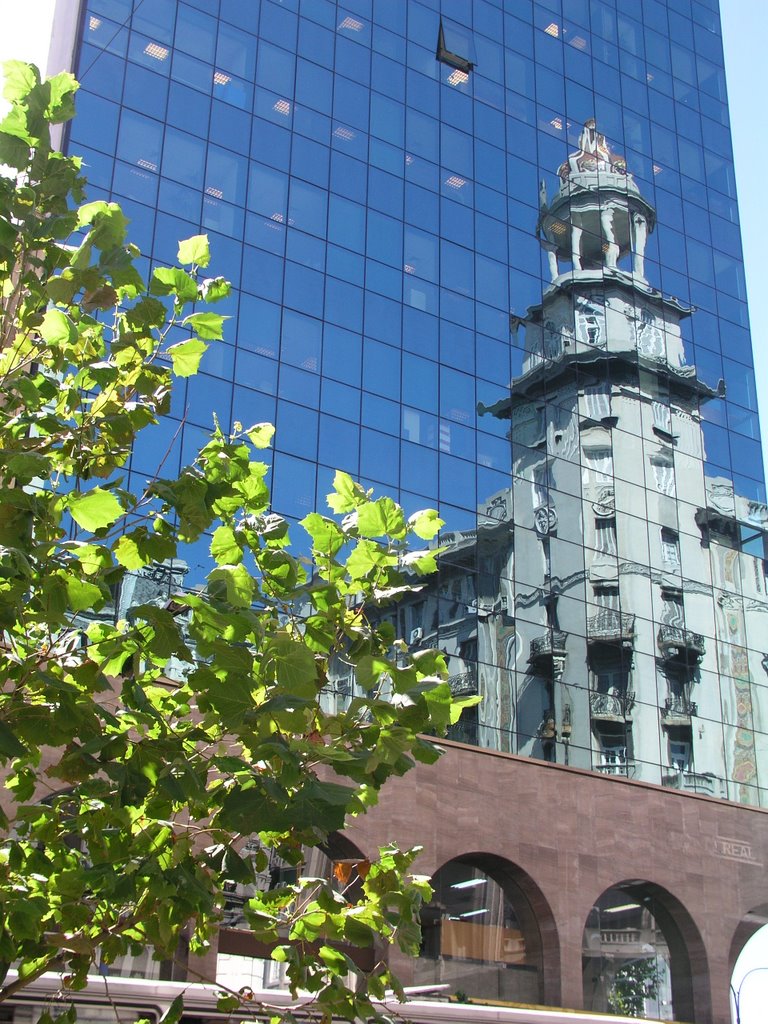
pixel 639 950
pixel 749 967
pixel 242 959
pixel 482 932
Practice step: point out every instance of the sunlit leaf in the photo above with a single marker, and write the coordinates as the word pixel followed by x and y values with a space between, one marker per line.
pixel 186 356
pixel 195 250
pixel 94 510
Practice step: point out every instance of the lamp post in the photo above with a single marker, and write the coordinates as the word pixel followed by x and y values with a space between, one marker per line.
pixel 736 992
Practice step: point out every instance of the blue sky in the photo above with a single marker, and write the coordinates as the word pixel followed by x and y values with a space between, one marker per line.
pixel 745 26
pixel 745 30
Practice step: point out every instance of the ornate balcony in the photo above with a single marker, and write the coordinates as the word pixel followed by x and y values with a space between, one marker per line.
pixel 610 706
pixel 678 644
pixel 691 782
pixel 679 710
pixel 611 627
pixel 545 648
pixel 463 684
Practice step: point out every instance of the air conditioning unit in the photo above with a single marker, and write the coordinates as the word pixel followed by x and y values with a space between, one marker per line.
pixel 416 635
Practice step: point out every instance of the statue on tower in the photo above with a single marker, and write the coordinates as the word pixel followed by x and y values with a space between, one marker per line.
pixel 593 154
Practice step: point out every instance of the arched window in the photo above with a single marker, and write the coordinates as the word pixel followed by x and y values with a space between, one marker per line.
pixel 634 958
pixel 479 934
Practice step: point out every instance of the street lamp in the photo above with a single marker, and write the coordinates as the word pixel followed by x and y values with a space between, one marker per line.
pixel 736 992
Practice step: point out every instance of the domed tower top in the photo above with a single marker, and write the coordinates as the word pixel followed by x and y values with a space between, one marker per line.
pixel 598 215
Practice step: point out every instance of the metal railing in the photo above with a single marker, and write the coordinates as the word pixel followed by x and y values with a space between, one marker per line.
pixel 611 626
pixel 610 705
pixel 549 644
pixel 675 642
pixel 463 683
pixel 679 707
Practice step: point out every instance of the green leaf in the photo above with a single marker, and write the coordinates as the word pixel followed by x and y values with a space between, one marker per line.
pixel 425 524
pixel 20 79
pixel 57 329
pixel 173 281
pixel 347 494
pixel 291 664
pixel 167 636
pixel 327 536
pixel 94 510
pixel 260 435
pixel 381 518
pixel 459 705
pixel 82 594
pixel 224 546
pixel 139 548
pixel 438 700
pixel 195 250
pixel 370 669
pixel 266 807
pixel 13 151
pixel 214 289
pixel 108 222
pixel 9 744
pixel 334 960
pixel 186 356
pixel 174 1011
pixel 239 585
pixel 15 125
pixel 206 325
pixel 127 553
pixel 61 99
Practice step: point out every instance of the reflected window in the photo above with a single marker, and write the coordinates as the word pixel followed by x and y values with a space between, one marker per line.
pixel 598 465
pixel 605 536
pixel 662 419
pixel 680 754
pixel 597 402
pixel 589 322
pixel 672 610
pixel 614 758
pixel 662 468
pixel 650 337
pixel 670 549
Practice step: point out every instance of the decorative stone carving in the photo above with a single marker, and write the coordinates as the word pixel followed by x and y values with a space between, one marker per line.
pixel 639 239
pixel 721 496
pixel 604 505
pixel 544 520
pixel 593 154
pixel 498 508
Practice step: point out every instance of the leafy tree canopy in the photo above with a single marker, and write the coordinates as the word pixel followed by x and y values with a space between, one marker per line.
pixel 130 790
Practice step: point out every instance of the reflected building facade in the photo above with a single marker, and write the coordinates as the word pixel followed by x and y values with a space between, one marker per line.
pixel 485 256
pixel 610 604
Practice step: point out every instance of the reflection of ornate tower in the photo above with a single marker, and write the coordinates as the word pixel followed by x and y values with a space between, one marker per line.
pixel 598 216
pixel 613 587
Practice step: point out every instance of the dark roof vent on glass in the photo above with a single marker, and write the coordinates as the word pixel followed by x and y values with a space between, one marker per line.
pixel 455 47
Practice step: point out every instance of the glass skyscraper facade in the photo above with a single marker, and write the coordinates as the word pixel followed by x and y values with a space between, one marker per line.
pixel 485 257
